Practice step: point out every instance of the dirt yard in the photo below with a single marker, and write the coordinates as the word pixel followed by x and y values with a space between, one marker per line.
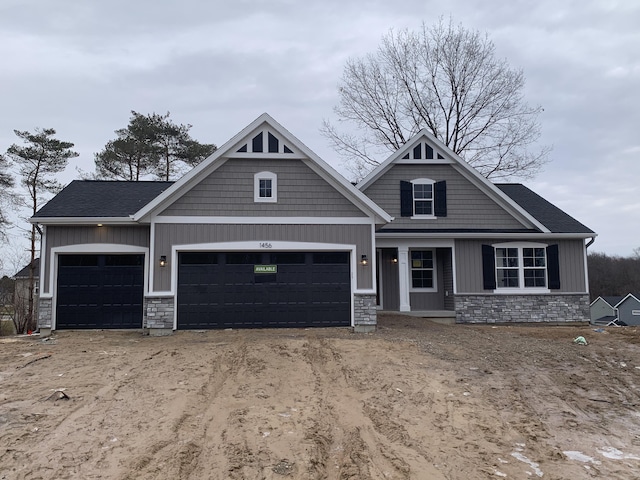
pixel 414 400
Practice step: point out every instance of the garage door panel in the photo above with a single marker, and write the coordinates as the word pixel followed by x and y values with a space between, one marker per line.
pixel 300 294
pixel 99 291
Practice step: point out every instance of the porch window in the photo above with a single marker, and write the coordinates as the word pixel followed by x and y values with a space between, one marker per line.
pixel 422 269
pixel 521 267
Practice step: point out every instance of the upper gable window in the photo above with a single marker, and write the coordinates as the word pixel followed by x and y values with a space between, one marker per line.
pixel 423 198
pixel 422 151
pixel 265 142
pixel 265 187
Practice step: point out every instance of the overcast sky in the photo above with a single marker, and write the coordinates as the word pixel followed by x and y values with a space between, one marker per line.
pixel 81 67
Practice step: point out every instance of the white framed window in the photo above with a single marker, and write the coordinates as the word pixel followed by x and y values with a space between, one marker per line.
pixel 521 267
pixel 423 198
pixel 265 187
pixel 423 270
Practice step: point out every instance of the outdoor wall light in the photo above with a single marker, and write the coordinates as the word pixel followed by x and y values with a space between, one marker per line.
pixel 364 261
pixel 163 261
pixel 394 260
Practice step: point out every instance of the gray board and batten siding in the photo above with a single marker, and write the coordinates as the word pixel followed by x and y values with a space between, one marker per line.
pixel 229 191
pixel 64 236
pixel 468 207
pixel 629 311
pixel 469 264
pixel 167 235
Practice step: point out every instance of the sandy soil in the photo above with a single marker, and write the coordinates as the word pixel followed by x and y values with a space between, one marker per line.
pixel 413 400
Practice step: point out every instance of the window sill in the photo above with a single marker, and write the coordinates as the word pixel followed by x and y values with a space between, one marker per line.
pixel 423 290
pixel 265 200
pixel 519 291
pixel 423 217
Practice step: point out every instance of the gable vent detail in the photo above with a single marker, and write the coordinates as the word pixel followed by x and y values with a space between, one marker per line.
pixel 265 142
pixel 422 151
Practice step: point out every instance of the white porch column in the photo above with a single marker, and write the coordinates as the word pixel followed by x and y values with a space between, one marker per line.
pixel 403 280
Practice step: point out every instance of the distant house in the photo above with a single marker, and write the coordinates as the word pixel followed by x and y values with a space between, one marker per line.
pixel 616 310
pixel 21 298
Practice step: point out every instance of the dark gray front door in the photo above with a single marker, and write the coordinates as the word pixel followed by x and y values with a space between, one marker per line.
pixel 263 290
pixel 99 291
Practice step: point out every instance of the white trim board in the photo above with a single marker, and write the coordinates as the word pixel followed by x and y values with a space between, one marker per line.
pixel 264 220
pixel 90 248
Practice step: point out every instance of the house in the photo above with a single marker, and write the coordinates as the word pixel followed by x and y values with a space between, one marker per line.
pixel 21 292
pixel 459 243
pixel 616 310
pixel 264 233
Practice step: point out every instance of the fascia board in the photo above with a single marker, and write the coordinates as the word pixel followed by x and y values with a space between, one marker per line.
pixel 82 220
pixel 483 235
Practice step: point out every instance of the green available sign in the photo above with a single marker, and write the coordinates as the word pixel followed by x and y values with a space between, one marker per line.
pixel 265 269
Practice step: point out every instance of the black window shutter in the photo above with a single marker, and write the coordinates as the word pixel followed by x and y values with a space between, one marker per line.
pixel 488 267
pixel 440 201
pixel 406 199
pixel 553 267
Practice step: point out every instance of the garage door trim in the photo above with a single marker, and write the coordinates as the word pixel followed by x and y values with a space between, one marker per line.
pixel 88 249
pixel 257 246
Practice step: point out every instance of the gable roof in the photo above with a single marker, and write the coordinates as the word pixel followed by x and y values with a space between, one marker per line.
pixel 610 300
pixel 100 199
pixel 241 146
pixel 556 220
pixel 444 155
pixel 24 272
pixel 627 297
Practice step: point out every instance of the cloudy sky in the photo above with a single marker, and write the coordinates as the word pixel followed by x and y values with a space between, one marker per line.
pixel 81 67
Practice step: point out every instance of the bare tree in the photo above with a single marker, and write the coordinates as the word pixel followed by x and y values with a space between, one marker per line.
pixel 448 80
pixel 38 160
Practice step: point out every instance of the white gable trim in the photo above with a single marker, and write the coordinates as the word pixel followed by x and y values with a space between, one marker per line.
pixel 629 295
pixel 229 149
pixel 461 166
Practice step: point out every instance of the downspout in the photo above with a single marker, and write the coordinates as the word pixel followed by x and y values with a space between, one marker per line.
pixel 590 242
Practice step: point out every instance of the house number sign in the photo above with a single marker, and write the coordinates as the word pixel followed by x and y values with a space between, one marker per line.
pixel 265 245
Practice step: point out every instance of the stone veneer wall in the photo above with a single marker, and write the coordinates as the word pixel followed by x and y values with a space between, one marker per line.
pixel 365 314
pixel 45 312
pixel 521 308
pixel 158 312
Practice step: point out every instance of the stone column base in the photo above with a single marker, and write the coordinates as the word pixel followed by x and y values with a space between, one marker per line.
pixel 365 314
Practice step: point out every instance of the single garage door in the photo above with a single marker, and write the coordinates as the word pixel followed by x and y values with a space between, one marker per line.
pixel 99 291
pixel 257 290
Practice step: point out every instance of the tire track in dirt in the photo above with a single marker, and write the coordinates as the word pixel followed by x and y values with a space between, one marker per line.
pixel 185 439
pixel 368 445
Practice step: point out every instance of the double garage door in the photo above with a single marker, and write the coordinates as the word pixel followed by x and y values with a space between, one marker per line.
pixel 256 289
pixel 215 290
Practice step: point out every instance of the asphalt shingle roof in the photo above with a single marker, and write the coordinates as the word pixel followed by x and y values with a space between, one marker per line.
pixel 99 198
pixel 613 300
pixel 25 271
pixel 545 212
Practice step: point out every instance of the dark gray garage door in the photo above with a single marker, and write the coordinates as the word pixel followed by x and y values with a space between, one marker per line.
pixel 99 291
pixel 252 290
